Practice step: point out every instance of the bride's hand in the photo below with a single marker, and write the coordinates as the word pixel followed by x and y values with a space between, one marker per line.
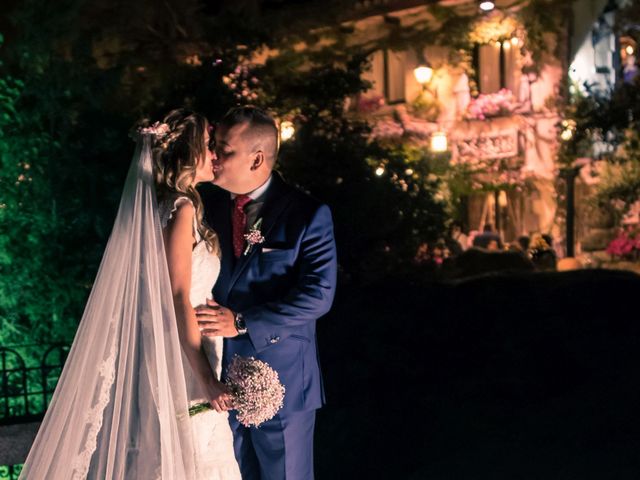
pixel 220 397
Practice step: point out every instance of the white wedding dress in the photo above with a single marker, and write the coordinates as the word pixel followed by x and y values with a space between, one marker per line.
pixel 213 439
pixel 119 411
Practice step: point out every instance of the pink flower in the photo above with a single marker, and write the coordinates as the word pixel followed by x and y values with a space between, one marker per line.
pixel 370 104
pixel 254 237
pixel 622 245
pixel 491 105
pixel 158 130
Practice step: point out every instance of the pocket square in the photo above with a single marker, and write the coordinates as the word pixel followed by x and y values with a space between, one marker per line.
pixel 267 249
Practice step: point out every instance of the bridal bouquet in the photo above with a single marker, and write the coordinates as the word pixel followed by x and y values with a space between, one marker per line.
pixel 256 388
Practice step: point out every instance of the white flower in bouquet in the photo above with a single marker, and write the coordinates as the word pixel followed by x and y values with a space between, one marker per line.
pixel 256 389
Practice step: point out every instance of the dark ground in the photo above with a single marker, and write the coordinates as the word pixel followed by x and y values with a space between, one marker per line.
pixel 525 376
pixel 502 376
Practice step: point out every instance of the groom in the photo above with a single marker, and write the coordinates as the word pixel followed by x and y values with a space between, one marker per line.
pixel 269 294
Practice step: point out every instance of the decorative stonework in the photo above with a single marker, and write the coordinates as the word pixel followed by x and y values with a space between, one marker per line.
pixel 486 146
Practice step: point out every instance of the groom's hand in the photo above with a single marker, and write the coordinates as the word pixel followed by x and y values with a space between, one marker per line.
pixel 215 320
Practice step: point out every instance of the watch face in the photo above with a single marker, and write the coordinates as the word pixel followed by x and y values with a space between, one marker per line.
pixel 240 325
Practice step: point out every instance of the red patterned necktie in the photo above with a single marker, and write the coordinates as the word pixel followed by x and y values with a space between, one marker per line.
pixel 239 223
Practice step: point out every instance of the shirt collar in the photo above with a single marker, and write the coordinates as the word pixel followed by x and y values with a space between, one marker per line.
pixel 259 192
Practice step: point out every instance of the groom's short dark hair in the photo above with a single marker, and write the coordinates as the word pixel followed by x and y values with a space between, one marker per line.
pixel 260 123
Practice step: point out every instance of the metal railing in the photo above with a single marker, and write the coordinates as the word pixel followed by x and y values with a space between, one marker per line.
pixel 10 472
pixel 28 378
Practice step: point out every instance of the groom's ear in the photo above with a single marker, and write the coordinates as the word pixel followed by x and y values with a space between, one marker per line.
pixel 258 160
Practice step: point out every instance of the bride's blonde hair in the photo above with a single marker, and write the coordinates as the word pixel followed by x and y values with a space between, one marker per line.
pixel 176 155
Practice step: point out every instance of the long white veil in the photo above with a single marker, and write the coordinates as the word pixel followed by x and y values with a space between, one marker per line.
pixel 120 409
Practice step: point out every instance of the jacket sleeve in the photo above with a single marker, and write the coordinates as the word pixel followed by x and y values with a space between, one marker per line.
pixel 313 293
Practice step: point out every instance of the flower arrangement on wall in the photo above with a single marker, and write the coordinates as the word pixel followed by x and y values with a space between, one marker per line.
pixel 484 106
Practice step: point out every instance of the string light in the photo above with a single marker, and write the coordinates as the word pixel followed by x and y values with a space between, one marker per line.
pixel 287 131
pixel 567 134
pixel 487 6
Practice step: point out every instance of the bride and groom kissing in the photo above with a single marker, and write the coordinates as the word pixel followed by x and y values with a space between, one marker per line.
pixel 243 265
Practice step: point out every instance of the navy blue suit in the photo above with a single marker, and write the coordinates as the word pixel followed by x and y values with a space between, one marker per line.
pixel 281 288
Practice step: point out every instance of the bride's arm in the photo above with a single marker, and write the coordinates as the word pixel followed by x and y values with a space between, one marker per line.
pixel 178 240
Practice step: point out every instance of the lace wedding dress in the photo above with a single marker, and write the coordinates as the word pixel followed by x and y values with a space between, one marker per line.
pixel 213 440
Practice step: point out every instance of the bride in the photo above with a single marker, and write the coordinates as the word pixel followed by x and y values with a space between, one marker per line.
pixel 120 409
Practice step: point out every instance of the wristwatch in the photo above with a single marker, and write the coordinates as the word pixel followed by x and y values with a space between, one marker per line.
pixel 238 322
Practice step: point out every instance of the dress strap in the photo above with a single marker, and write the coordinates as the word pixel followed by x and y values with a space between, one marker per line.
pixel 169 207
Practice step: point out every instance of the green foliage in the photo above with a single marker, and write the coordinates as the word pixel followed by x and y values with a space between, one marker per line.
pixel 68 97
pixel 585 116
pixel 540 19
pixel 66 112
pixel 425 106
pixel 31 296
pixel 620 180
pixel 379 219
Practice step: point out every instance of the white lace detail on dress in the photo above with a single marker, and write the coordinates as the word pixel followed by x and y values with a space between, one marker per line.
pixel 95 414
pixel 169 206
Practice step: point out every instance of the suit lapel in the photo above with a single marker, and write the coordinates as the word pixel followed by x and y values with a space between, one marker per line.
pixel 278 197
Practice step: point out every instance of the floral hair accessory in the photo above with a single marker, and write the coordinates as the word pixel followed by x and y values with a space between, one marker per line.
pixel 158 130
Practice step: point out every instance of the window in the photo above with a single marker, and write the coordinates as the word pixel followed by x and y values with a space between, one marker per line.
pixel 495 65
pixel 387 75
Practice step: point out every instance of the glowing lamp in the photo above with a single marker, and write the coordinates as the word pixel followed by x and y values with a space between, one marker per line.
pixel 502 199
pixel 439 142
pixel 487 6
pixel 287 130
pixel 423 74
pixel 380 171
pixel 515 41
pixel 629 50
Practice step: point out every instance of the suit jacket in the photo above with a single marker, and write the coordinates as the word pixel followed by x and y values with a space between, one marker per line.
pixel 281 287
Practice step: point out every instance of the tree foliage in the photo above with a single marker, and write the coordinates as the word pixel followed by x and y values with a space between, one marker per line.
pixel 76 77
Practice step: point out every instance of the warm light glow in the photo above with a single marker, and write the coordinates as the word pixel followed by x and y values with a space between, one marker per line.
pixel 487 6
pixel 409 171
pixel 506 45
pixel 287 130
pixel 515 41
pixel 498 44
pixel 380 171
pixel 629 50
pixel 502 199
pixel 439 142
pixel 566 135
pixel 423 74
